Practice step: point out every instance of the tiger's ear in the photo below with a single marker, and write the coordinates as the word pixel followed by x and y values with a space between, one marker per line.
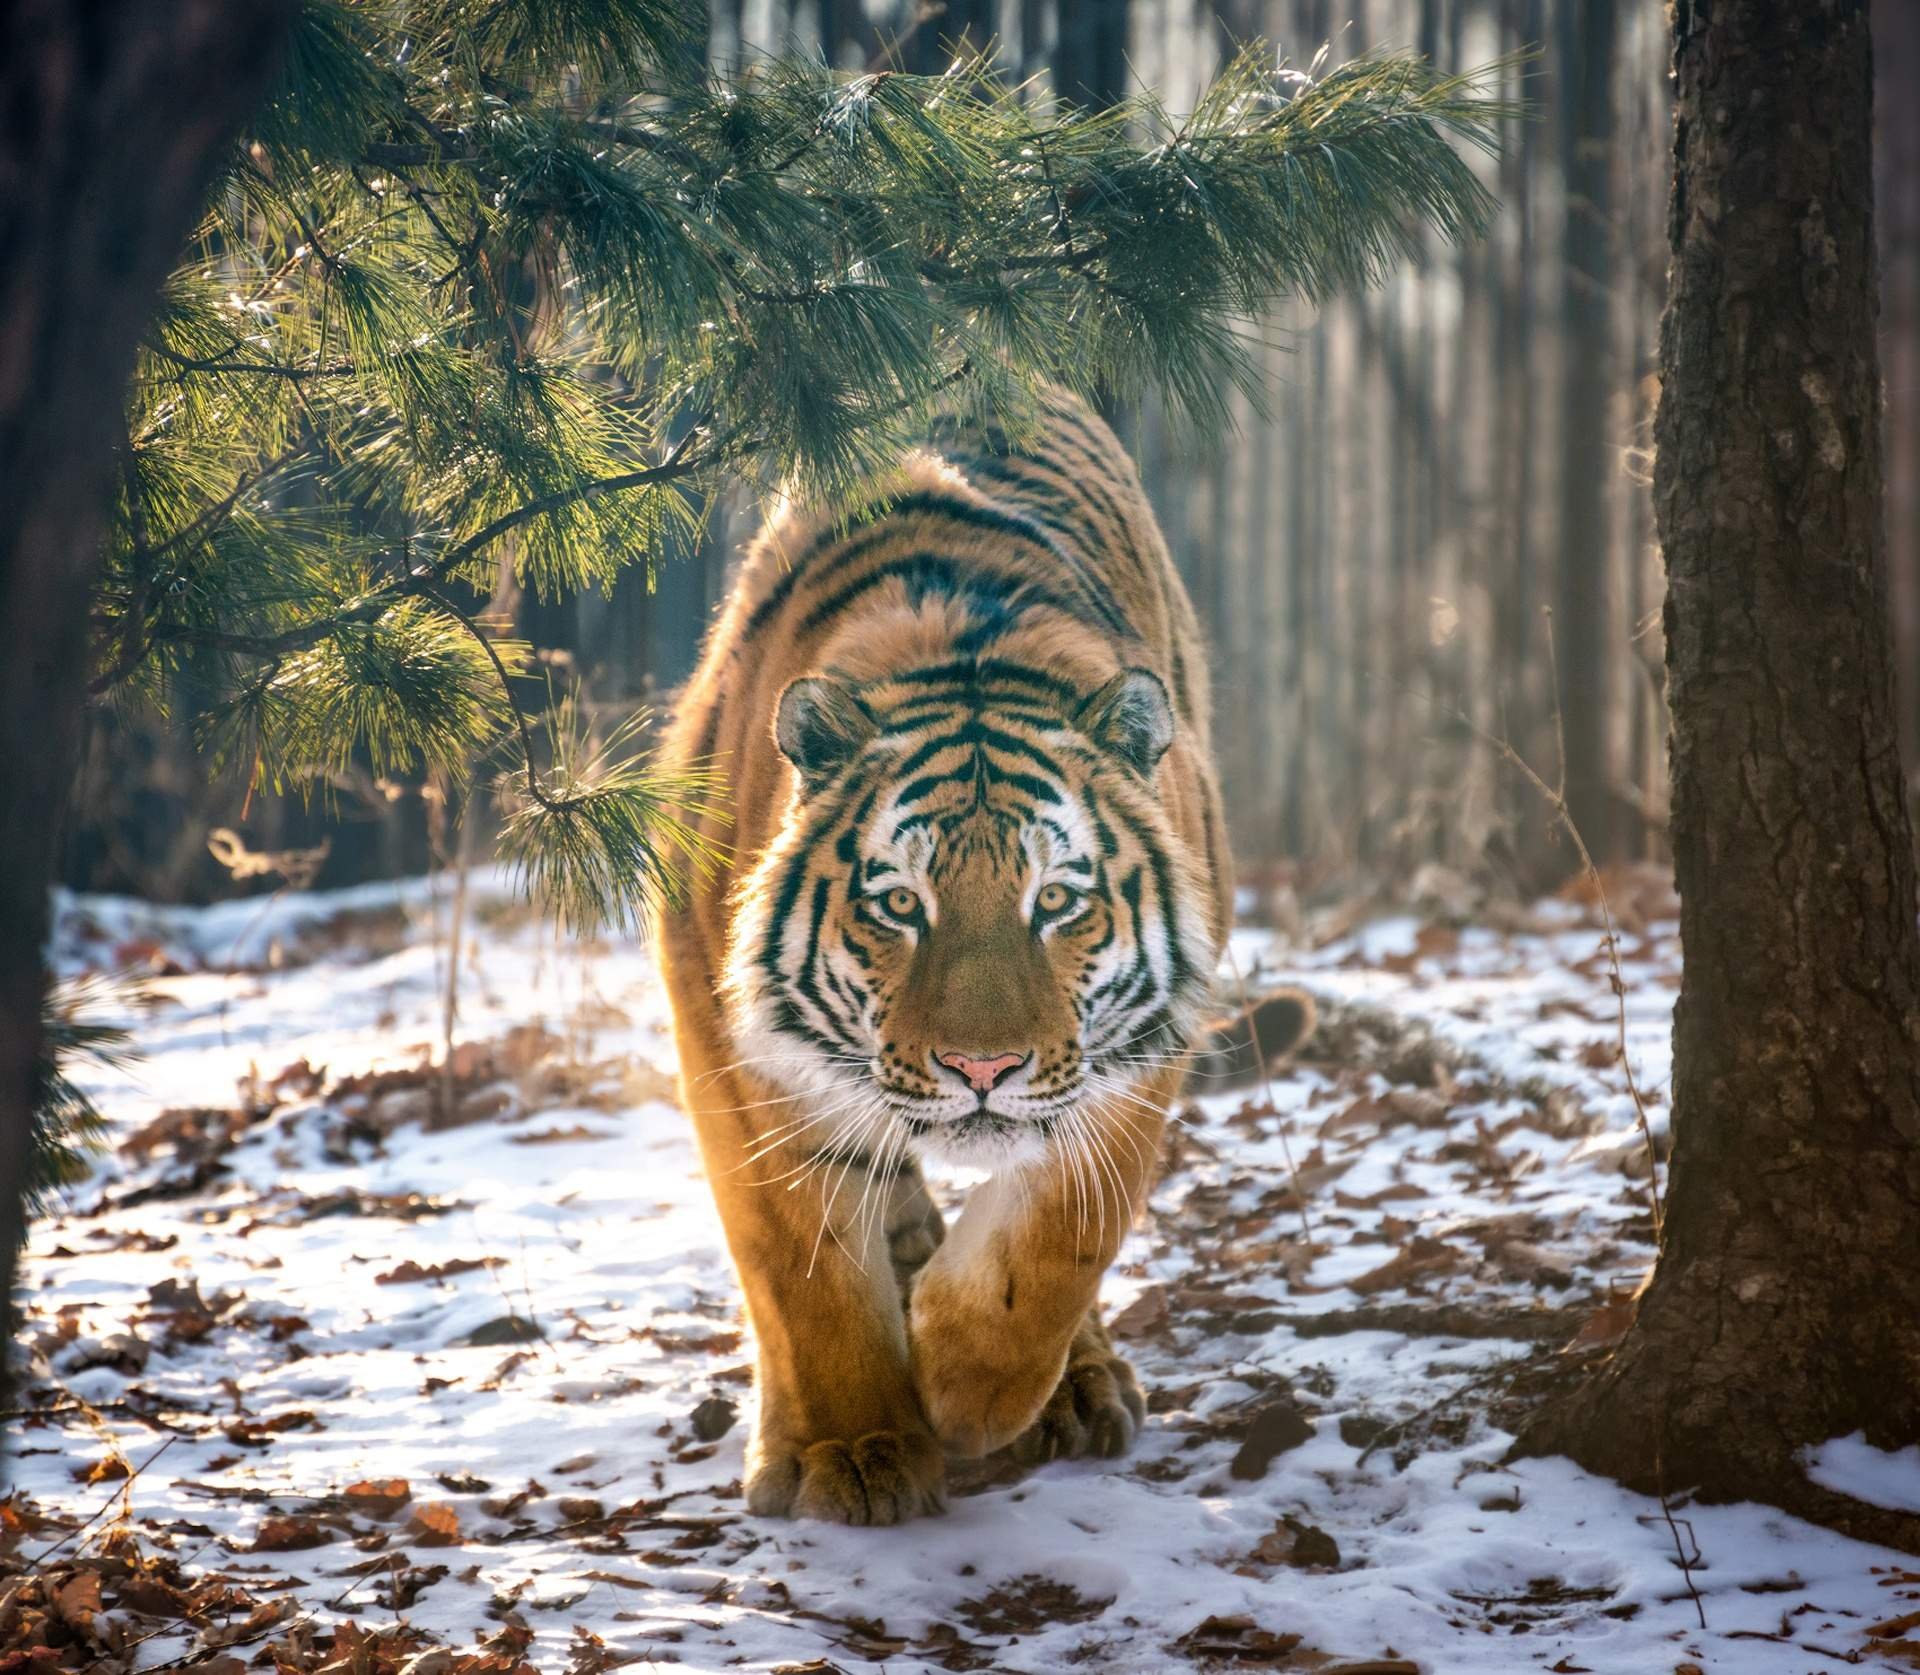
pixel 820 726
pixel 1132 717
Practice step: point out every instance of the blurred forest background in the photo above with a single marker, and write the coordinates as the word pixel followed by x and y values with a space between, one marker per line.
pixel 1444 504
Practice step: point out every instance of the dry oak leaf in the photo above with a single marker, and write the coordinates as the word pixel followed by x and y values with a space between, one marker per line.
pixel 257 1433
pixel 1430 942
pixel 153 1596
pixel 1235 1639
pixel 412 1273
pixel 1422 1258
pixel 286 1535
pixel 590 1655
pixel 1399 1192
pixel 507 1368
pixel 1145 1314
pixel 435 1524
pixel 250 1626
pixel 1292 1542
pixel 1606 1326
pixel 379 1497
pixel 1894 1627
pixel 77 1602
pixel 1275 1426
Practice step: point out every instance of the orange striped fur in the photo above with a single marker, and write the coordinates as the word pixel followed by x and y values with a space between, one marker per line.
pixel 979 883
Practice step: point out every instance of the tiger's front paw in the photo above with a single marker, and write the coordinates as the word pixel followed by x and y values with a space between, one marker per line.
pixel 1097 1408
pixel 884 1477
pixel 977 1403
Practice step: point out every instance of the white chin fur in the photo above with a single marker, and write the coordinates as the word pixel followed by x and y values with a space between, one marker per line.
pixel 1019 1148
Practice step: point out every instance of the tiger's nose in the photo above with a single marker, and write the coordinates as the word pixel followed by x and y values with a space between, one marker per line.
pixel 982 1071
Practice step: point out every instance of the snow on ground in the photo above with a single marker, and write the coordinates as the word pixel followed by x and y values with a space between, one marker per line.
pixel 1853 1466
pixel 489 1374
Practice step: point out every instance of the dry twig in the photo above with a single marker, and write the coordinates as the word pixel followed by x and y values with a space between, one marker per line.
pixel 122 1495
pixel 1673 1529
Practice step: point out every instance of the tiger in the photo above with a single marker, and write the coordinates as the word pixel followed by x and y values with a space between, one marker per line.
pixel 976 883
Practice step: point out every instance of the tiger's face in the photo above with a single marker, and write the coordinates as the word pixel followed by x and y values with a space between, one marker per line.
pixel 976 918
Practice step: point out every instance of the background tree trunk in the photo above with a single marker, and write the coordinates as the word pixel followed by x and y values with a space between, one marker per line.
pixel 112 115
pixel 1584 623
pixel 1785 1308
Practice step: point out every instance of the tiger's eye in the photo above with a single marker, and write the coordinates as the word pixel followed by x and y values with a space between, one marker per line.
pixel 1054 898
pixel 901 902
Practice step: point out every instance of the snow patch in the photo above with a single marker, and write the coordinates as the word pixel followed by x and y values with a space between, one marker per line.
pixel 1853 1466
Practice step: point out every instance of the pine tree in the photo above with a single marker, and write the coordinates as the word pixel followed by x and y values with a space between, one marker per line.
pixel 526 282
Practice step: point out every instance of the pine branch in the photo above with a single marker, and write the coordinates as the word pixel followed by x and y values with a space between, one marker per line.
pixel 675 466
pixel 269 369
pixel 466 275
pixel 422 581
pixel 68 1129
pixel 485 641
pixel 613 840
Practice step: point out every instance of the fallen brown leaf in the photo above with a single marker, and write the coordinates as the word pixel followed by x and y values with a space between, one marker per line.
pixel 1422 1258
pixel 412 1273
pixel 287 1535
pixel 378 1497
pixel 1275 1426
pixel 713 1418
pixel 435 1524
pixel 1894 1627
pixel 1146 1314
pixel 1399 1192
pixel 1292 1542
pixel 1607 1325
pixel 77 1602
pixel 1235 1639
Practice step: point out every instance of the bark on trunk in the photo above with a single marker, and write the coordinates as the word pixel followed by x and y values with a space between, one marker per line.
pixel 1896 52
pixel 112 114
pixel 1785 1308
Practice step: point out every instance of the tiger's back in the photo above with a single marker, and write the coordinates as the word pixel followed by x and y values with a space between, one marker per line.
pixel 996 673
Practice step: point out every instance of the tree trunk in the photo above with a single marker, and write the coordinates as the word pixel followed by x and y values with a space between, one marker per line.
pixel 1896 37
pixel 1583 617
pixel 1784 1306
pixel 1090 54
pixel 112 115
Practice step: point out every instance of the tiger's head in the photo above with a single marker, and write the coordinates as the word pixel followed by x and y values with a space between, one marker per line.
pixel 977 914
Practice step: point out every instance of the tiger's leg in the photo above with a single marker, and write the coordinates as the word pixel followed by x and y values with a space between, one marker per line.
pixel 1001 1314
pixel 914 1226
pixel 841 1435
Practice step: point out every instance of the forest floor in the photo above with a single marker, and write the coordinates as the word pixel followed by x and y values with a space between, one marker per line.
pixel 335 1365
